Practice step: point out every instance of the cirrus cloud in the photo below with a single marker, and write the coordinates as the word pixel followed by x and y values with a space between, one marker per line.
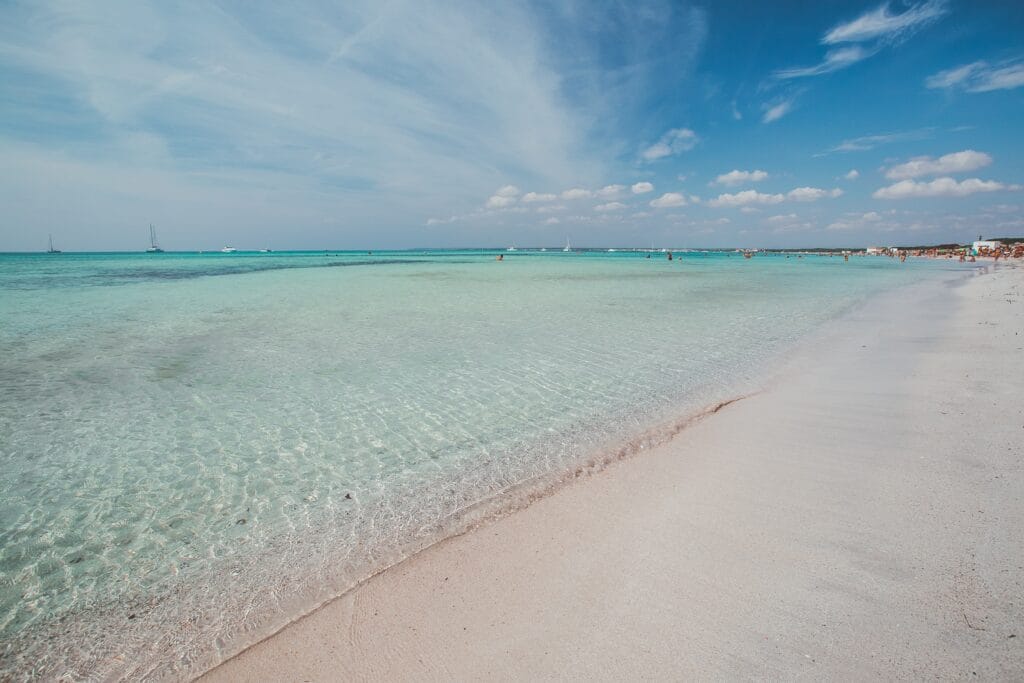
pixel 880 23
pixel 979 77
pixel 674 141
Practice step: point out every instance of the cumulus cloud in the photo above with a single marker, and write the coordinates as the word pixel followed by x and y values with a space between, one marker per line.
pixel 777 111
pixel 507 191
pixel 642 187
pixel 577 193
pixel 749 197
pixel 551 208
pixel 811 194
pixel 610 206
pixel 737 177
pixel 610 191
pixel 674 141
pixel 552 221
pixel 979 77
pixel 882 24
pixel 957 162
pixel 499 202
pixel 852 175
pixel 539 197
pixel 745 197
pixel 940 187
pixel 668 200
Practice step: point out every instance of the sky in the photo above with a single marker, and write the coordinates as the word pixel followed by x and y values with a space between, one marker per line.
pixel 406 123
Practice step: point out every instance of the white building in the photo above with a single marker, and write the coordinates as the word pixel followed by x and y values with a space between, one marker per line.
pixel 987 245
pixel 874 251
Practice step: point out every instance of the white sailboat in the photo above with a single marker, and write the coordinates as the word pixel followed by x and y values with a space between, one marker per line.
pixel 154 248
pixel 51 250
pixel 568 247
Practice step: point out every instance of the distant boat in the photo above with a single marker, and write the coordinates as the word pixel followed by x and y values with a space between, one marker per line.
pixel 154 248
pixel 512 248
pixel 264 251
pixel 228 250
pixel 51 250
pixel 568 247
pixel 543 248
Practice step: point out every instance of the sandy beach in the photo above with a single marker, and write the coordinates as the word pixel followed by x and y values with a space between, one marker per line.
pixel 858 518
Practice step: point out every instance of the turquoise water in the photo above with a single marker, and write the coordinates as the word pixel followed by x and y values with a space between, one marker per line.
pixel 194 449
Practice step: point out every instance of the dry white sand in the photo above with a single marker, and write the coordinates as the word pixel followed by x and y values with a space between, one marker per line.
pixel 862 517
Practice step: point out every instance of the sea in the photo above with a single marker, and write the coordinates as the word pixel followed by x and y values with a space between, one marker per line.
pixel 196 449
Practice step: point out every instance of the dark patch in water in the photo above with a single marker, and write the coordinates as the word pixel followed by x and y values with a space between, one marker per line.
pixel 116 277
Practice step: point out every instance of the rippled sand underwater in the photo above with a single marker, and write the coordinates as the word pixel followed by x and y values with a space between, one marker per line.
pixel 194 449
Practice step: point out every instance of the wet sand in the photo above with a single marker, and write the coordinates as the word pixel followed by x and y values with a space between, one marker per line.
pixel 861 517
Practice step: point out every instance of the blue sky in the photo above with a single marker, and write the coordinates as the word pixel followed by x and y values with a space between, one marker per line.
pixel 406 123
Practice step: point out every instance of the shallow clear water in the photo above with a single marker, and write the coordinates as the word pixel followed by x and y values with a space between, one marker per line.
pixel 196 448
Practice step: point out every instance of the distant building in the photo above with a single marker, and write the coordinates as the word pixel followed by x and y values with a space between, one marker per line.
pixel 984 246
pixel 874 251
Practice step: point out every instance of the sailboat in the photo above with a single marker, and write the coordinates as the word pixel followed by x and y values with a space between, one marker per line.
pixel 567 246
pixel 51 250
pixel 228 250
pixel 154 248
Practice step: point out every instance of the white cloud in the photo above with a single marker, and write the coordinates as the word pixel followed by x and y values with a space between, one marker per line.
pixel 940 187
pixel 736 115
pixel 507 191
pixel 737 177
pixel 866 142
pixel 811 194
pixel 837 59
pixel 577 193
pixel 674 141
pixel 539 197
pixel 694 199
pixel 745 197
pixel 551 208
pixel 880 23
pixel 255 82
pixel 610 206
pixel 979 77
pixel 499 202
pixel 787 218
pixel 871 220
pixel 776 112
pixel 642 187
pixel 957 162
pixel 852 175
pixel 668 200
pixel 748 197
pixel 610 191
pixel 552 221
